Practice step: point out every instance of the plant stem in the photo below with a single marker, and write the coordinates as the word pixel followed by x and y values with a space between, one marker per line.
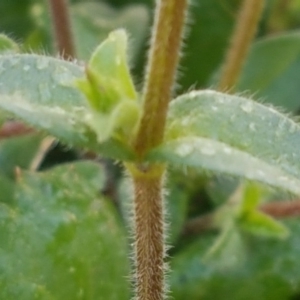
pixel 149 251
pixel 161 72
pixel 243 35
pixel 149 235
pixel 278 210
pixel 13 129
pixel 62 28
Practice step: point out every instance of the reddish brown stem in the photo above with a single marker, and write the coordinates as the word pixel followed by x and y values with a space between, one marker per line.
pixel 149 238
pixel 62 28
pixel 278 210
pixel 14 128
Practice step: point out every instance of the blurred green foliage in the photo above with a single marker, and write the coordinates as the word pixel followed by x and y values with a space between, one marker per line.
pixel 60 238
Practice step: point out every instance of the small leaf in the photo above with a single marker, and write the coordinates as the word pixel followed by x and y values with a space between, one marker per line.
pixel 109 89
pixel 7 45
pixel 261 224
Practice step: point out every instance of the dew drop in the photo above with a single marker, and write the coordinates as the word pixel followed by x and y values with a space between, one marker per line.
pixel 42 63
pixel 227 150
pixel 44 92
pixel 252 127
pixel 62 77
pixel 14 61
pixel 185 121
pixel 293 128
pixel 214 108
pixel 193 94
pixel 118 60
pixel 184 150
pixel 26 68
pixel 247 107
pixel 208 150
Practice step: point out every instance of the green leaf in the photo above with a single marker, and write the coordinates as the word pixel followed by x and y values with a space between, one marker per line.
pixel 40 90
pixel 230 134
pixel 271 70
pixel 109 90
pixel 11 156
pixel 7 45
pixel 62 239
pixel 205 154
pixel 259 223
pixel 270 270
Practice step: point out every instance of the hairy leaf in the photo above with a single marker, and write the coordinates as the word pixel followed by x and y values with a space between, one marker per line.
pixel 62 239
pixel 234 135
pixel 40 90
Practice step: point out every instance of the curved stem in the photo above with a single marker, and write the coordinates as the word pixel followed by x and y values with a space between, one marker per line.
pixel 62 28
pixel 243 35
pixel 278 210
pixel 161 72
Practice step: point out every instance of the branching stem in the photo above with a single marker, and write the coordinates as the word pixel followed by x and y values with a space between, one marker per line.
pixel 243 35
pixel 62 28
pixel 161 72
pixel 147 179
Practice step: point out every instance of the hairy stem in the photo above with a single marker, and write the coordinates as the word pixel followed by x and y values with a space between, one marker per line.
pixel 243 35
pixel 149 249
pixel 62 28
pixel 161 72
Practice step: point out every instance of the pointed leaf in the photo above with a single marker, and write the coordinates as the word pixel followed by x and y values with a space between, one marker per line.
pixel 259 223
pixel 109 89
pixel 232 134
pixel 210 155
pixel 40 90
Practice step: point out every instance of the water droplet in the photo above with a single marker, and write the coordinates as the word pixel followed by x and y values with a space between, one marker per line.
pixel 214 108
pixel 247 107
pixel 44 92
pixel 118 60
pixel 184 150
pixel 227 150
pixel 208 150
pixel 42 63
pixel 193 94
pixel 261 173
pixel 26 68
pixel 293 128
pixel 252 127
pixel 14 61
pixel 62 77
pixel 185 121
